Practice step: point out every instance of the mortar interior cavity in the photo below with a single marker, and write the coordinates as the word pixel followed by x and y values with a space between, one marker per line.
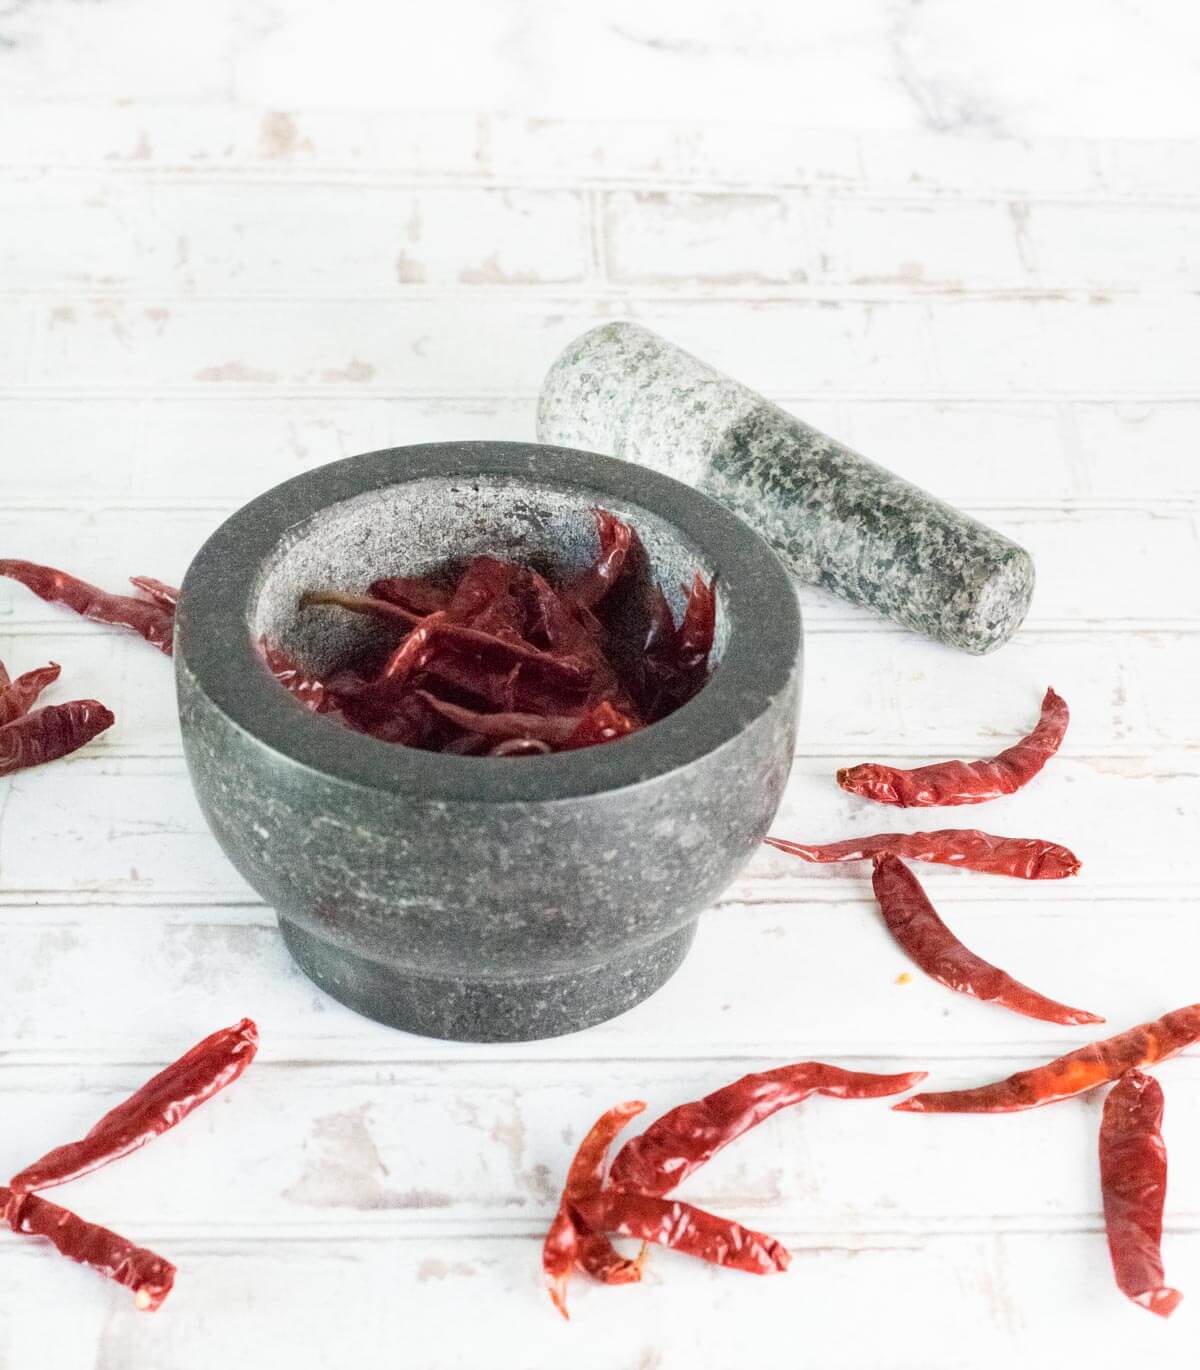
pixel 432 526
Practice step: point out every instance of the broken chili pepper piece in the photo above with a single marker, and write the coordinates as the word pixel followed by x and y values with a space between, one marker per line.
pixel 310 690
pixel 616 538
pixel 564 1245
pixel 1133 1180
pixel 915 924
pixel 683 1227
pixel 51 732
pixel 147 1275
pixel 1027 858
pixel 167 596
pixel 1075 1073
pixel 161 1104
pixel 964 782
pixel 362 604
pixel 18 696
pixel 681 1141
pixel 411 592
pixel 151 620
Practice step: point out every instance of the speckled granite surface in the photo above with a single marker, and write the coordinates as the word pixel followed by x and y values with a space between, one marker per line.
pixel 839 520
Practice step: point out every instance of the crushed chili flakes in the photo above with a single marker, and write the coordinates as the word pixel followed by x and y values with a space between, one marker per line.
pixel 500 662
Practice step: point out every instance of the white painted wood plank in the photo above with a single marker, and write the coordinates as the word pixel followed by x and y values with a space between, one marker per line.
pixel 931 1302
pixel 296 239
pixel 220 443
pixel 293 239
pixel 133 827
pixel 815 975
pixel 1081 582
pixel 306 1151
pixel 501 342
pixel 1131 694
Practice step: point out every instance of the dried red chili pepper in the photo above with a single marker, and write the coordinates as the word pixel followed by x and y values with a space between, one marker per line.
pixel 683 1227
pixel 18 696
pixel 310 690
pixel 1027 858
pixel 501 663
pixel 604 723
pixel 160 1104
pixel 147 1275
pixel 914 923
pixel 506 726
pixel 152 621
pixel 158 591
pixel 1075 1073
pixel 681 1141
pixel 616 538
pixel 964 782
pixel 411 592
pixel 362 604
pixel 568 1238
pixel 1133 1180
pixel 51 732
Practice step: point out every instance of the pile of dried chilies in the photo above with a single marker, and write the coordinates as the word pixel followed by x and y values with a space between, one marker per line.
pixel 159 1105
pixel 630 1200
pixel 499 662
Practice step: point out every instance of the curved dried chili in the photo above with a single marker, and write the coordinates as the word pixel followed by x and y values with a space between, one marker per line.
pixel 1075 1073
pixel 914 923
pixel 18 696
pixel 570 1242
pixel 1133 1180
pixel 147 1275
pixel 51 732
pixel 162 1102
pixel 153 621
pixel 1027 858
pixel 964 782
pixel 681 1141
pixel 685 1228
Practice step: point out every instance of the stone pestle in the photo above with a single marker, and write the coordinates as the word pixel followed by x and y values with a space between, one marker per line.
pixel 838 520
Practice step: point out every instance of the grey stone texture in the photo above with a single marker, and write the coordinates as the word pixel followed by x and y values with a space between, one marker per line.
pixel 838 520
pixel 482 899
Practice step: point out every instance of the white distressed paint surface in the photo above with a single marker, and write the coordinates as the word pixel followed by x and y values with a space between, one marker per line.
pixel 255 253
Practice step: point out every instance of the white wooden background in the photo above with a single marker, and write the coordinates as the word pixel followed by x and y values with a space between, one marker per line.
pixel 235 244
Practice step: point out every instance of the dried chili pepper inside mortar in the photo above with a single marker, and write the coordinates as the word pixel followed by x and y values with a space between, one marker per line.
pixel 914 923
pixel 1133 1180
pixel 51 732
pixel 153 621
pixel 503 664
pixel 1075 1073
pixel 147 1275
pixel 681 1141
pixel 683 1227
pixel 1027 858
pixel 569 1241
pixel 18 696
pixel 964 782
pixel 310 690
pixel 162 1102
